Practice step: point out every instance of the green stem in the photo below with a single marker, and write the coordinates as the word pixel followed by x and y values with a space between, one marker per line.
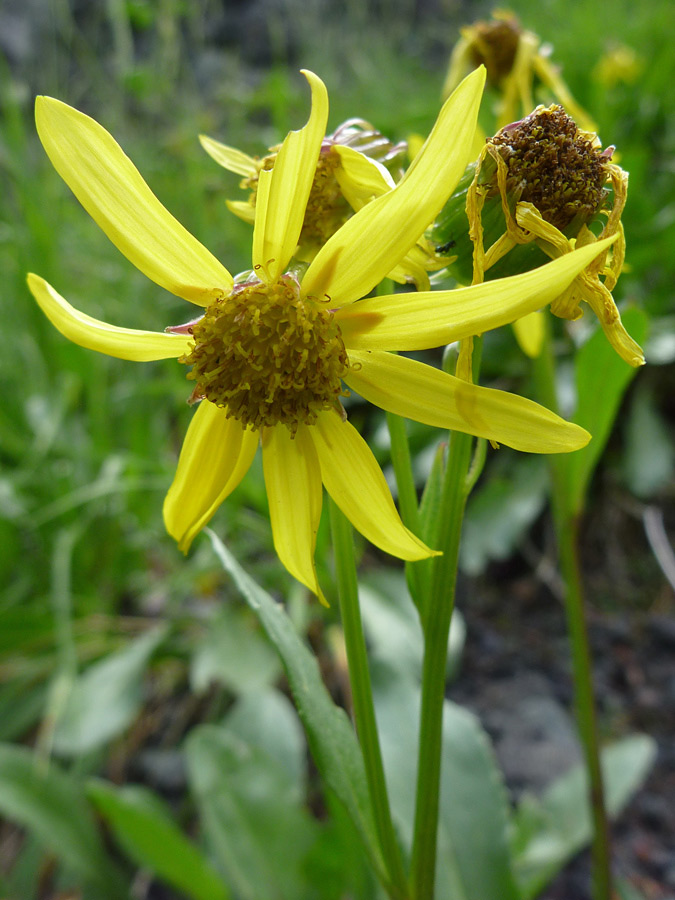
pixel 407 496
pixel 405 482
pixel 362 700
pixel 436 632
pixel 567 534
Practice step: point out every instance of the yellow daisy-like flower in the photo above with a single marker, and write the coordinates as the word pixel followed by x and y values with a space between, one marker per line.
pixel 353 168
pixel 515 61
pixel 270 354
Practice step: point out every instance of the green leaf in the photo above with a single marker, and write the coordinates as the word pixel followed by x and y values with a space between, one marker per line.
pixel 106 698
pixel 550 830
pixel 234 654
pixel 393 628
pixel 500 513
pixel 251 815
pixel 330 735
pixel 650 458
pixel 145 830
pixel 601 380
pixel 22 703
pixel 51 805
pixel 419 573
pixel 473 852
pixel 626 891
pixel 337 861
pixel 268 719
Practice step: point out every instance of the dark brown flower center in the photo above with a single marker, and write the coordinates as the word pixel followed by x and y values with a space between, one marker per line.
pixel 554 166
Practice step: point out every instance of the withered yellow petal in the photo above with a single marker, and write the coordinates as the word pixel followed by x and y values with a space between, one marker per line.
pixel 216 454
pixel 229 157
pixel 355 482
pixel 293 483
pixel 417 321
pixel 124 343
pixel 420 392
pixel 282 196
pixel 113 192
pixel 373 241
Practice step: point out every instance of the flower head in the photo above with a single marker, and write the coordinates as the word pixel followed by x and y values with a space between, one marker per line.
pixel 270 353
pixel 356 164
pixel 543 183
pixel 516 62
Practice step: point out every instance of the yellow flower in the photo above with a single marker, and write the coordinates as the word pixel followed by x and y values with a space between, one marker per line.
pixel 270 353
pixel 355 165
pixel 515 61
pixel 619 65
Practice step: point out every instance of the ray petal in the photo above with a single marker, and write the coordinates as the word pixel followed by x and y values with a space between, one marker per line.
pixel 124 343
pixel 420 392
pixel 418 321
pixel 293 483
pixel 360 178
pixel 373 241
pixel 229 157
pixel 113 192
pixel 280 214
pixel 355 482
pixel 243 209
pixel 217 452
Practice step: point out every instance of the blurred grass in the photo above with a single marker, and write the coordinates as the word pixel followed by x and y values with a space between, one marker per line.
pixel 90 443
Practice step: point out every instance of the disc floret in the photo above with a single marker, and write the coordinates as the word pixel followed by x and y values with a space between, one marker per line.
pixel 268 356
pixel 553 165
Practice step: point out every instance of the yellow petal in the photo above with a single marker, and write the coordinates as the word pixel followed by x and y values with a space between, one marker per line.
pixel 417 321
pixel 293 483
pixel 410 388
pixel 229 157
pixel 360 177
pixel 602 303
pixel 529 332
pixel 373 241
pixel 244 209
pixel 124 343
pixel 282 196
pixel 111 189
pixel 217 452
pixel 356 483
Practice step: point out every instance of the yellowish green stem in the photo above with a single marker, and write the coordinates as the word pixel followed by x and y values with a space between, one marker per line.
pixel 567 534
pixel 436 627
pixel 362 701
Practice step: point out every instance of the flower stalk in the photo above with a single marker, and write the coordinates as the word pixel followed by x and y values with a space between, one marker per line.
pixel 362 700
pixel 436 628
pixel 567 536
pixel 437 612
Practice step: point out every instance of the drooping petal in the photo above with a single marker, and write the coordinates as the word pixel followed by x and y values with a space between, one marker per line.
pixel 355 482
pixel 417 321
pixel 372 242
pixel 293 483
pixel 283 194
pixel 229 157
pixel 217 452
pixel 360 177
pixel 124 343
pixel 529 332
pixel 410 388
pixel 243 209
pixel 113 192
